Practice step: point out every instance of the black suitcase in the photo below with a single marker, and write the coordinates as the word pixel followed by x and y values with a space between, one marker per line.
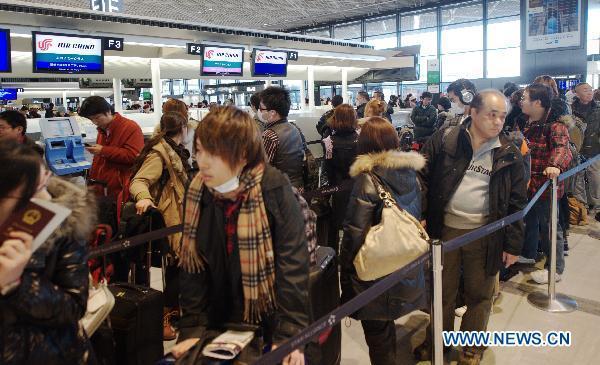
pixel 324 292
pixel 137 324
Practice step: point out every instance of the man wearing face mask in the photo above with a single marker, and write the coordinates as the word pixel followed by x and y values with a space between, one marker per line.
pixel 255 106
pixel 461 93
pixel 424 117
pixel 362 98
pixel 282 141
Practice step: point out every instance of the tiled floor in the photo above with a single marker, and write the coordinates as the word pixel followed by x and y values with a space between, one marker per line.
pixel 512 312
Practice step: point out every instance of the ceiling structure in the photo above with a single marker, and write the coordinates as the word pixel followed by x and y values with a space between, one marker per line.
pixel 273 15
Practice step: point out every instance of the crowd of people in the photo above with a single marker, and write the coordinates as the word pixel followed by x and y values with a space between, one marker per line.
pixel 235 181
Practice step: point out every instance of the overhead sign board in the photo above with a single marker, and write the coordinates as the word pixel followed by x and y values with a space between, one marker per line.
pixel 114 44
pixel 108 6
pixel 194 49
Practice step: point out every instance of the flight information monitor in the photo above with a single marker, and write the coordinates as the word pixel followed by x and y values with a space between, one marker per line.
pixel 67 54
pixel 5 65
pixel 222 61
pixel 8 94
pixel 269 63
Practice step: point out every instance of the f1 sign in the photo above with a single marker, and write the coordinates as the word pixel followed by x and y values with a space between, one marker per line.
pixel 292 55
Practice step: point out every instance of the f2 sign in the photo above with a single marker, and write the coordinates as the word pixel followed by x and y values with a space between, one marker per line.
pixel 194 49
pixel 114 44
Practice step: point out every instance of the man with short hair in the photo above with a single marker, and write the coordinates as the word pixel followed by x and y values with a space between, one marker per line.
pixel 255 106
pixel 586 108
pixel 424 117
pixel 13 125
pixel 118 144
pixel 282 140
pixel 322 126
pixel 362 98
pixel 460 92
pixel 389 109
pixel 473 176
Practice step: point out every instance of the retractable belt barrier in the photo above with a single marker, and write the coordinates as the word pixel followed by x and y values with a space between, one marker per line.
pixel 329 320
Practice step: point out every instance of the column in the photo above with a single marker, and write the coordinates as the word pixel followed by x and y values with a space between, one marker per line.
pixel 311 87
pixel 64 98
pixel 117 95
pixel 302 95
pixel 345 85
pixel 156 86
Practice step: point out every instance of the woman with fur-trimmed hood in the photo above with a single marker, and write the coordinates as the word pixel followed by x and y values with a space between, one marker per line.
pixel 378 154
pixel 40 311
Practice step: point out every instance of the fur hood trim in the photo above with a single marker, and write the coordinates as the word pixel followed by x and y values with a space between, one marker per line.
pixel 387 160
pixel 567 120
pixel 79 225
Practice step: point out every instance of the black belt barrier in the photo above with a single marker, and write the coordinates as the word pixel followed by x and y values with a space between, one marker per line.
pixel 127 243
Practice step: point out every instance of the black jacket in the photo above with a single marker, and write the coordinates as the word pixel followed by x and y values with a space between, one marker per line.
pixel 337 169
pixel 205 304
pixel 397 171
pixel 424 120
pixel 448 154
pixel 360 111
pixel 39 320
pixel 289 157
pixel 322 127
pixel 591 141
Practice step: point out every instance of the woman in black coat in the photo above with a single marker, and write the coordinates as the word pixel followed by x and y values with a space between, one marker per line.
pixel 244 254
pixel 40 312
pixel 378 154
pixel 340 153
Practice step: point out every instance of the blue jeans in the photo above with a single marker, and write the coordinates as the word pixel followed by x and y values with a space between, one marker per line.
pixel 537 225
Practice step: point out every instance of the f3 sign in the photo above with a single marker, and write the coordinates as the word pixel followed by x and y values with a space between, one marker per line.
pixel 114 44
pixel 194 49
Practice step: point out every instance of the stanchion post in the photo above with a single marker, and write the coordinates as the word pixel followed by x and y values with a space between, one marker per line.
pixel 552 302
pixel 437 322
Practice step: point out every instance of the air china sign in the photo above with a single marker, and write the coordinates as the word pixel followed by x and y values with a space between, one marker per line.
pixel 68 45
pixel 222 54
pixel 271 57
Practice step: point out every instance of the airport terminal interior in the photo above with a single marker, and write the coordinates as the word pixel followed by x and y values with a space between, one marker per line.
pixel 445 117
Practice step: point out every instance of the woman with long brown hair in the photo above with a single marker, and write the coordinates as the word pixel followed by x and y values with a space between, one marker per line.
pixel 379 158
pixel 162 172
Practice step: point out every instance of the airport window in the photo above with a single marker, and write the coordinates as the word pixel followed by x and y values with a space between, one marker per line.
pixel 462 13
pixel 467 65
pixel 502 8
pixel 462 37
pixel 380 26
pixel 383 41
pixel 593 31
pixel 319 32
pixel 504 62
pixel 418 21
pixel 504 33
pixel 427 38
pixel 348 31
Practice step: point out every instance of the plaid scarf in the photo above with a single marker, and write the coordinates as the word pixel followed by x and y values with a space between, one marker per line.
pixel 254 241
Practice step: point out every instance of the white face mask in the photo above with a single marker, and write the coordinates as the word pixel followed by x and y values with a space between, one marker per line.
pixel 229 185
pixel 259 115
pixel 456 109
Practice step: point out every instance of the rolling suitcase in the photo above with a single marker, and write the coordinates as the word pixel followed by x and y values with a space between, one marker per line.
pixel 324 291
pixel 137 324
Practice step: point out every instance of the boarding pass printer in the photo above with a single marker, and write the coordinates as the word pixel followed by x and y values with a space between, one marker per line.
pixel 64 149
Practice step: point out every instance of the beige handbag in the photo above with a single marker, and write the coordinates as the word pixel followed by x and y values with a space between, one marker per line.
pixel 100 302
pixel 392 244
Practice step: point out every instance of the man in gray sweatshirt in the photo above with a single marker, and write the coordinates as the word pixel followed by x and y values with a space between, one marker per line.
pixel 473 176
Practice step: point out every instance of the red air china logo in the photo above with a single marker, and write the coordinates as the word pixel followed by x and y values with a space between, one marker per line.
pixel 45 44
pixel 261 56
pixel 210 53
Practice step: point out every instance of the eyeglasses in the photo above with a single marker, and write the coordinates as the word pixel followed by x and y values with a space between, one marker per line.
pixel 263 109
